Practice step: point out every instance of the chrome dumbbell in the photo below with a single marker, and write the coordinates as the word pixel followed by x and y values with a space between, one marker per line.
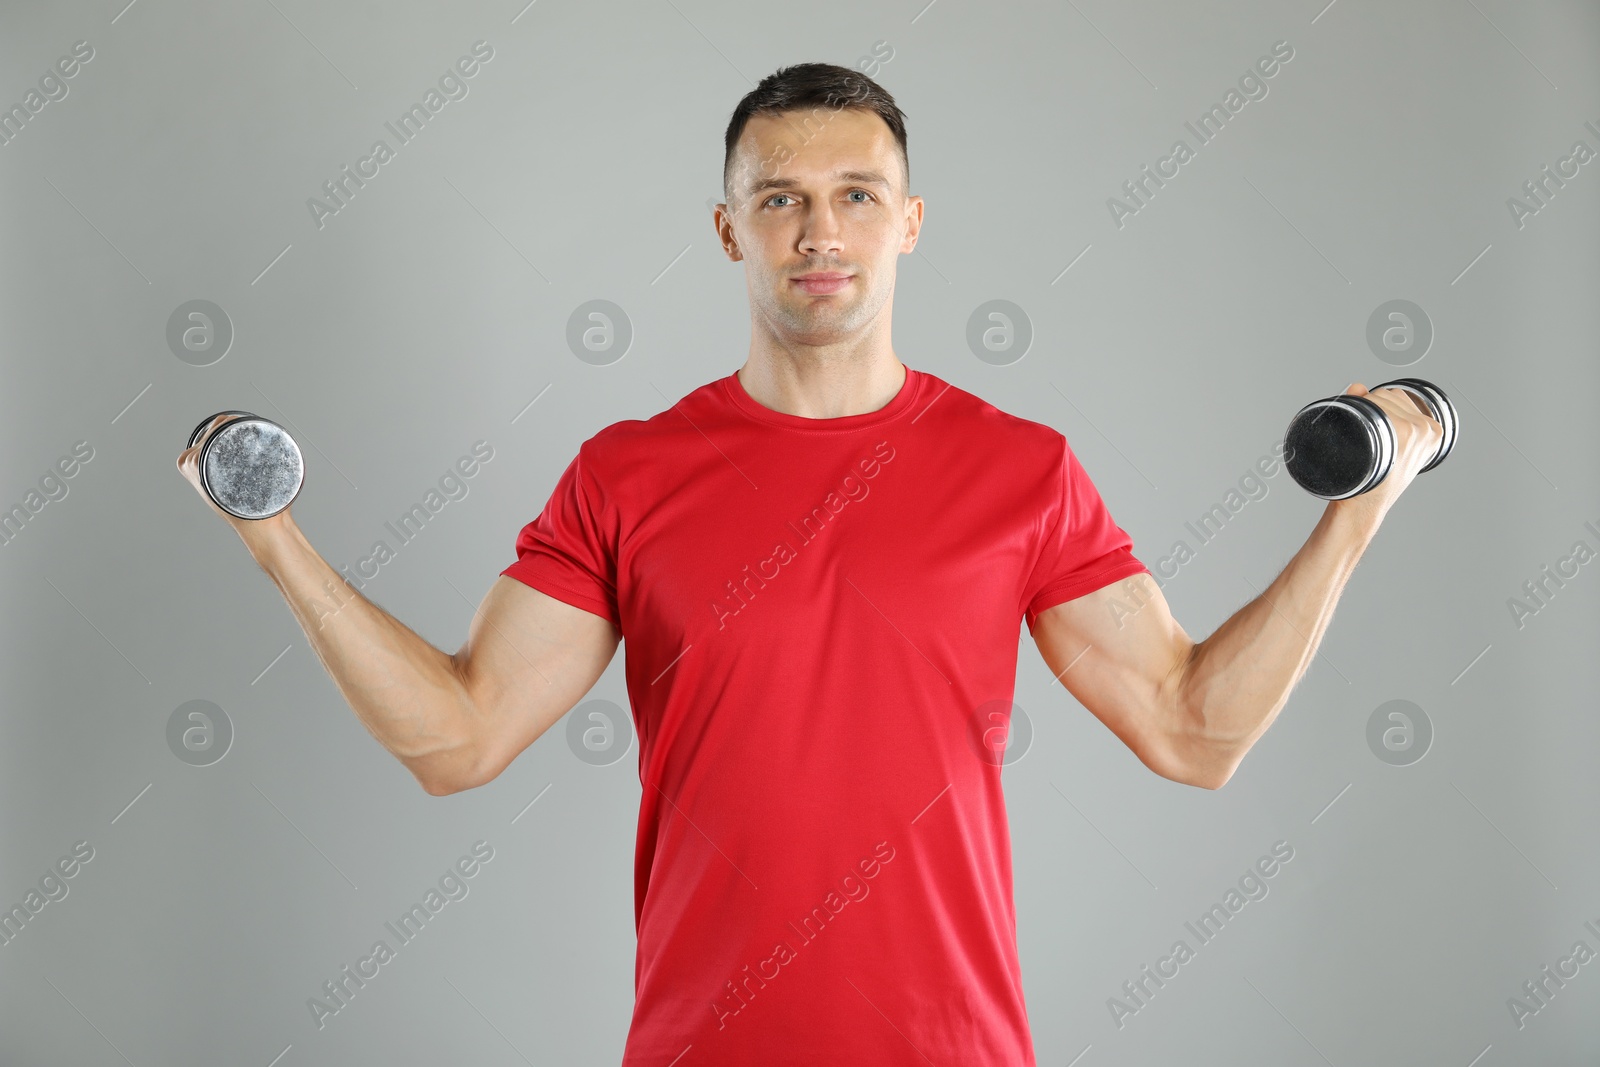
pixel 249 466
pixel 1342 446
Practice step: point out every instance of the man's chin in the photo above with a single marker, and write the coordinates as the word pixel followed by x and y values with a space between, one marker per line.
pixel 820 310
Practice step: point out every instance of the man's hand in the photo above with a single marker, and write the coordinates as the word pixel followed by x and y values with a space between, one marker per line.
pixel 1417 436
pixel 249 530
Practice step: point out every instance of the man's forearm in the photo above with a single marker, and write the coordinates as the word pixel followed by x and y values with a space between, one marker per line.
pixel 1237 680
pixel 405 691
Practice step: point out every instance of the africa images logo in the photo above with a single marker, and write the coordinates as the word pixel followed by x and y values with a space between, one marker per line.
pixel 1252 86
pixel 853 888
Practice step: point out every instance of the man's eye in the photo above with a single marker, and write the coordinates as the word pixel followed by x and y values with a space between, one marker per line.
pixel 785 196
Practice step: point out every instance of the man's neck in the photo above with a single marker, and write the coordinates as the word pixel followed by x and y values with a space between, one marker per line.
pixel 819 389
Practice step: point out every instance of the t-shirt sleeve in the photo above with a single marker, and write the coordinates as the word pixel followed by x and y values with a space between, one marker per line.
pixel 1083 549
pixel 569 552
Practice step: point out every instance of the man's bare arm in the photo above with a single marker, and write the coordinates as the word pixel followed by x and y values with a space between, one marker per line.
pixel 454 721
pixel 527 660
pixel 1190 711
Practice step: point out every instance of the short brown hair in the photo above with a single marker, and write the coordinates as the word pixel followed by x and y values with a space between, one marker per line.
pixel 807 86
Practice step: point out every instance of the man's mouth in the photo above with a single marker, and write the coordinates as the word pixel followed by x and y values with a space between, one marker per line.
pixel 823 282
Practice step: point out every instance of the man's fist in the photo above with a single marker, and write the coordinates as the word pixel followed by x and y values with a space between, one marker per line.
pixel 1417 437
pixel 189 468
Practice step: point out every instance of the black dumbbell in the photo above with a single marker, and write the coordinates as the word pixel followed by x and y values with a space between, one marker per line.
pixel 250 467
pixel 1341 446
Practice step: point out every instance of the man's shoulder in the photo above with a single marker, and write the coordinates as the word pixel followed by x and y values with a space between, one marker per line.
pixel 621 445
pixel 976 415
pixel 669 421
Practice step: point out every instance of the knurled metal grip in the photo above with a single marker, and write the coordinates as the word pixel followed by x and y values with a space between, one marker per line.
pixel 1438 405
pixel 194 437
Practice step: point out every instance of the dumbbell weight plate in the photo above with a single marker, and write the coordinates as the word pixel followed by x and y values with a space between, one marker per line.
pixel 1383 430
pixel 1339 447
pixel 251 467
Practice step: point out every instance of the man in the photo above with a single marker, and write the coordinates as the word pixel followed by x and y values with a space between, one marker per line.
pixel 820 562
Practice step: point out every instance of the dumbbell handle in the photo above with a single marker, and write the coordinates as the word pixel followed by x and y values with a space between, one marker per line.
pixel 194 436
pixel 1437 405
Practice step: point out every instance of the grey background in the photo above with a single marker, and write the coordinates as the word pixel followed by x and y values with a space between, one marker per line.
pixel 433 309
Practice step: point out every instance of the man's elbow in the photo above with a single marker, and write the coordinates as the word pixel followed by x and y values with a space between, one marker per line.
pixel 438 787
pixel 1207 778
pixel 1180 748
pixel 439 780
pixel 1214 763
pixel 1201 776
pixel 1203 762
pixel 1169 763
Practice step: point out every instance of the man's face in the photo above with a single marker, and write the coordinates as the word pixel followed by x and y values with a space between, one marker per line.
pixel 811 192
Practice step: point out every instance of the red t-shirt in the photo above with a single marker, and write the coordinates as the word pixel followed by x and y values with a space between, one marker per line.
pixel 820 620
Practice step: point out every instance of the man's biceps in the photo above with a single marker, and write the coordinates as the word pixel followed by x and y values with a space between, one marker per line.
pixel 535 656
pixel 1101 615
pixel 525 646
pixel 1123 633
